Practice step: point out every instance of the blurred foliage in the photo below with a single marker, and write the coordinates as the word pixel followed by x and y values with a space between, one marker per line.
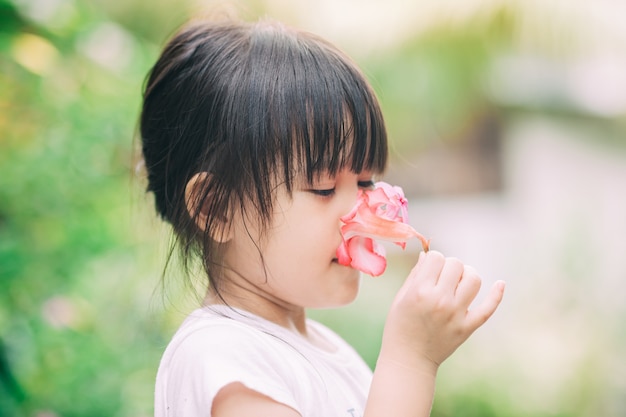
pixel 432 86
pixel 70 79
pixel 78 333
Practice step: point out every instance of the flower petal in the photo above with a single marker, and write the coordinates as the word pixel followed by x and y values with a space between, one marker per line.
pixel 365 223
pixel 395 204
pixel 381 213
pixel 367 256
pixel 343 255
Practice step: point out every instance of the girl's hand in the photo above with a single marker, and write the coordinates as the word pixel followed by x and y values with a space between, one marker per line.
pixel 430 315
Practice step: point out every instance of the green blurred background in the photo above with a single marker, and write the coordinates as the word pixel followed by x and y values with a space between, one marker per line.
pixel 508 128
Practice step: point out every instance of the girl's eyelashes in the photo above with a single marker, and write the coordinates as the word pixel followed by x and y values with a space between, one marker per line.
pixel 366 184
pixel 328 192
pixel 323 193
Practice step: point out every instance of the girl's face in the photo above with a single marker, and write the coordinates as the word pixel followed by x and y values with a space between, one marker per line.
pixel 293 264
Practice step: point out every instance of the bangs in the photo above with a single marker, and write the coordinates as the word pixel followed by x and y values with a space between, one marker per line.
pixel 309 110
pixel 330 117
pixel 332 133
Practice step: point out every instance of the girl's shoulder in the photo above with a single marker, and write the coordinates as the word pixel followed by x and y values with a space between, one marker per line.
pixel 215 347
pixel 211 350
pixel 219 326
pixel 218 344
pixel 227 330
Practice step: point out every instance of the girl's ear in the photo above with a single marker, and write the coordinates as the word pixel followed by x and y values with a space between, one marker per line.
pixel 193 198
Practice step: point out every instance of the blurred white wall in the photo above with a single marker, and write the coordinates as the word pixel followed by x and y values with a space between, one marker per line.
pixel 556 235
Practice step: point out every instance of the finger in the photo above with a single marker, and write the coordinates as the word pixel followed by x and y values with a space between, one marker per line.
pixel 420 259
pixel 450 275
pixel 428 268
pixel 478 316
pixel 468 287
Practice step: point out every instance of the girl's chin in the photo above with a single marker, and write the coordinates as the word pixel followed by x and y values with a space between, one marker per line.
pixel 350 291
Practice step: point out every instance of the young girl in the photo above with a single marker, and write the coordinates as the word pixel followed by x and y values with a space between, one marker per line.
pixel 257 139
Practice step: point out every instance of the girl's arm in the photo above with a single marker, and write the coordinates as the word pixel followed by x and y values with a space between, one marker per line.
pixel 428 320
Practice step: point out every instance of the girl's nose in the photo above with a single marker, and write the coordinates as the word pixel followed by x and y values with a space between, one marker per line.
pixel 348 202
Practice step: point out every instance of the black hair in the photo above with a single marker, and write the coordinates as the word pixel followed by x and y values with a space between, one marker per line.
pixel 253 105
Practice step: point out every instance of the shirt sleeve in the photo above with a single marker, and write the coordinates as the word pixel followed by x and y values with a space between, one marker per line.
pixel 207 359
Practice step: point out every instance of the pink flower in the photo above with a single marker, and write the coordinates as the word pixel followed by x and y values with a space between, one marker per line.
pixel 381 213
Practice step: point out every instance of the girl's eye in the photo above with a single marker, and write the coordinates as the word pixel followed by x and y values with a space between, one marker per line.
pixel 324 193
pixel 368 185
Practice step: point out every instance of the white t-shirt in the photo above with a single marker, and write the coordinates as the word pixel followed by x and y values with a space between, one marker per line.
pixel 217 345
